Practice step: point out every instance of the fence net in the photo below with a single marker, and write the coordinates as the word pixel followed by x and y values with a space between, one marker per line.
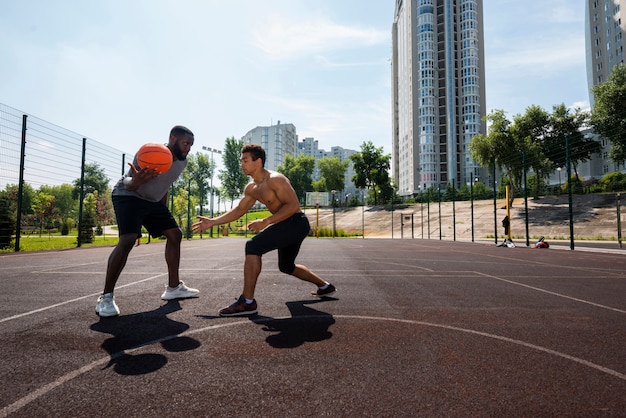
pixel 53 156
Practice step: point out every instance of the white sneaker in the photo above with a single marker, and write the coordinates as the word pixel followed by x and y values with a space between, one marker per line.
pixel 106 306
pixel 179 292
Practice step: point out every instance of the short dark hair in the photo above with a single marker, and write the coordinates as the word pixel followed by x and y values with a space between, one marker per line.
pixel 256 151
pixel 179 130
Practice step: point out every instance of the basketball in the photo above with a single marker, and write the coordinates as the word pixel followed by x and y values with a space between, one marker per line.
pixel 154 155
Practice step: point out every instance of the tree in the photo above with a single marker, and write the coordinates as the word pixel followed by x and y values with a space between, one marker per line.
pixel 333 172
pixel 7 223
pixel 500 149
pixel 232 178
pixel 64 201
pixel 95 179
pixel 609 112
pixel 11 191
pixel 566 127
pixel 44 208
pixel 85 233
pixel 201 169
pixel 105 215
pixel 371 169
pixel 299 171
pixel 532 129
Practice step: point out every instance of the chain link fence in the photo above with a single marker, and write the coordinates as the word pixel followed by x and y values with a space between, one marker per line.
pixel 36 154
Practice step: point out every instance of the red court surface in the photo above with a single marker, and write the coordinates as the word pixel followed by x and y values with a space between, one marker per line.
pixel 417 328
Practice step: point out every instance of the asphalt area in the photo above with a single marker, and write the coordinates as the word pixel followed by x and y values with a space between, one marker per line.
pixel 417 328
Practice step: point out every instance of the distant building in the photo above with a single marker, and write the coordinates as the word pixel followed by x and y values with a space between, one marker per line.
pixel 438 93
pixel 277 140
pixel 605 39
pixel 309 146
pixel 281 139
pixel 596 167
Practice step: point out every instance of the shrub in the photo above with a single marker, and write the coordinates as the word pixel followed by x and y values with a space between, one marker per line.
pixel 614 182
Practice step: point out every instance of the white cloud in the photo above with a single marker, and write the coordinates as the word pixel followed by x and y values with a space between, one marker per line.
pixel 284 38
pixel 538 58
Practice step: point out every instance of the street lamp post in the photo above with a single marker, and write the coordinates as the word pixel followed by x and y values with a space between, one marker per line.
pixel 428 211
pixel 472 180
pixel 439 201
pixel 421 209
pixel 558 170
pixel 334 230
pixel 211 150
pixel 472 204
pixel 363 213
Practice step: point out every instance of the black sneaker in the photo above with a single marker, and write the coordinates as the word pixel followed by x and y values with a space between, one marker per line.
pixel 330 290
pixel 239 308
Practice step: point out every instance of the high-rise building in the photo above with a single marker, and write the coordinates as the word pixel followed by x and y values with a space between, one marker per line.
pixel 605 30
pixel 438 92
pixel 605 39
pixel 277 140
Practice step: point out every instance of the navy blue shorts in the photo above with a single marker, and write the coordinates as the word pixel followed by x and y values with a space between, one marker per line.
pixel 286 237
pixel 132 213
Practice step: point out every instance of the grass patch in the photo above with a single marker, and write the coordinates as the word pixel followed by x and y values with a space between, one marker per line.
pixel 58 242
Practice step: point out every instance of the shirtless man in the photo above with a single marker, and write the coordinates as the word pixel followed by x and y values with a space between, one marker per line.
pixel 284 230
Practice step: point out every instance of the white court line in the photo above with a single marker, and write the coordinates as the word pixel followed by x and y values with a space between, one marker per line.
pixel 45 308
pixel 32 396
pixel 553 293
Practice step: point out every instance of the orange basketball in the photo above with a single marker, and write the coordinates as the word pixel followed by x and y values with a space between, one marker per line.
pixel 154 155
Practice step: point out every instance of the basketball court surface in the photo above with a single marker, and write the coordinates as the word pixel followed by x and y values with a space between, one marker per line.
pixel 417 328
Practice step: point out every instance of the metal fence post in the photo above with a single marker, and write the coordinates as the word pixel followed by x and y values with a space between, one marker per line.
pixel 18 229
pixel 82 195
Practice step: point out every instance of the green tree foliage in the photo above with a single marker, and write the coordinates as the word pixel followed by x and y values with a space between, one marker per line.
pixel 66 204
pixel 372 169
pixel 95 179
pixel 609 112
pixel 566 127
pixel 613 182
pixel 86 233
pixel 531 129
pixel 11 192
pixel 534 140
pixel 200 168
pixel 299 172
pixel 7 222
pixel 333 172
pixel 45 210
pixel 233 180
pixel 500 148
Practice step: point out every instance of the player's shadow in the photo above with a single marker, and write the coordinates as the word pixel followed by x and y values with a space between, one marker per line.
pixel 305 325
pixel 143 329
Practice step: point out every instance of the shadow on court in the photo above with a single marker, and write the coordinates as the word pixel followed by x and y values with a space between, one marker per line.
pixel 305 325
pixel 143 329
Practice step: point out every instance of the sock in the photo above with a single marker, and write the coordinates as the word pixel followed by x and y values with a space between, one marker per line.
pixel 324 287
pixel 249 301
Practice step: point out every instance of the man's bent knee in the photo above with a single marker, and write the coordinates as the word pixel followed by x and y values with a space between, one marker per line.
pixel 287 268
pixel 251 249
pixel 173 234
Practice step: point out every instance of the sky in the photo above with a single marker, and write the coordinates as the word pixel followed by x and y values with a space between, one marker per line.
pixel 124 72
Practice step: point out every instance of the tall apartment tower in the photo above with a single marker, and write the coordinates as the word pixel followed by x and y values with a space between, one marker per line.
pixel 605 40
pixel 438 92
pixel 277 140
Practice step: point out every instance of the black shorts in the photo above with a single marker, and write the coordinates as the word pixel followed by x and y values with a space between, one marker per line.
pixel 132 213
pixel 285 236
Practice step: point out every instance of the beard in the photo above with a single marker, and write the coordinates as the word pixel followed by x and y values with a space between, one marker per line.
pixel 177 152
